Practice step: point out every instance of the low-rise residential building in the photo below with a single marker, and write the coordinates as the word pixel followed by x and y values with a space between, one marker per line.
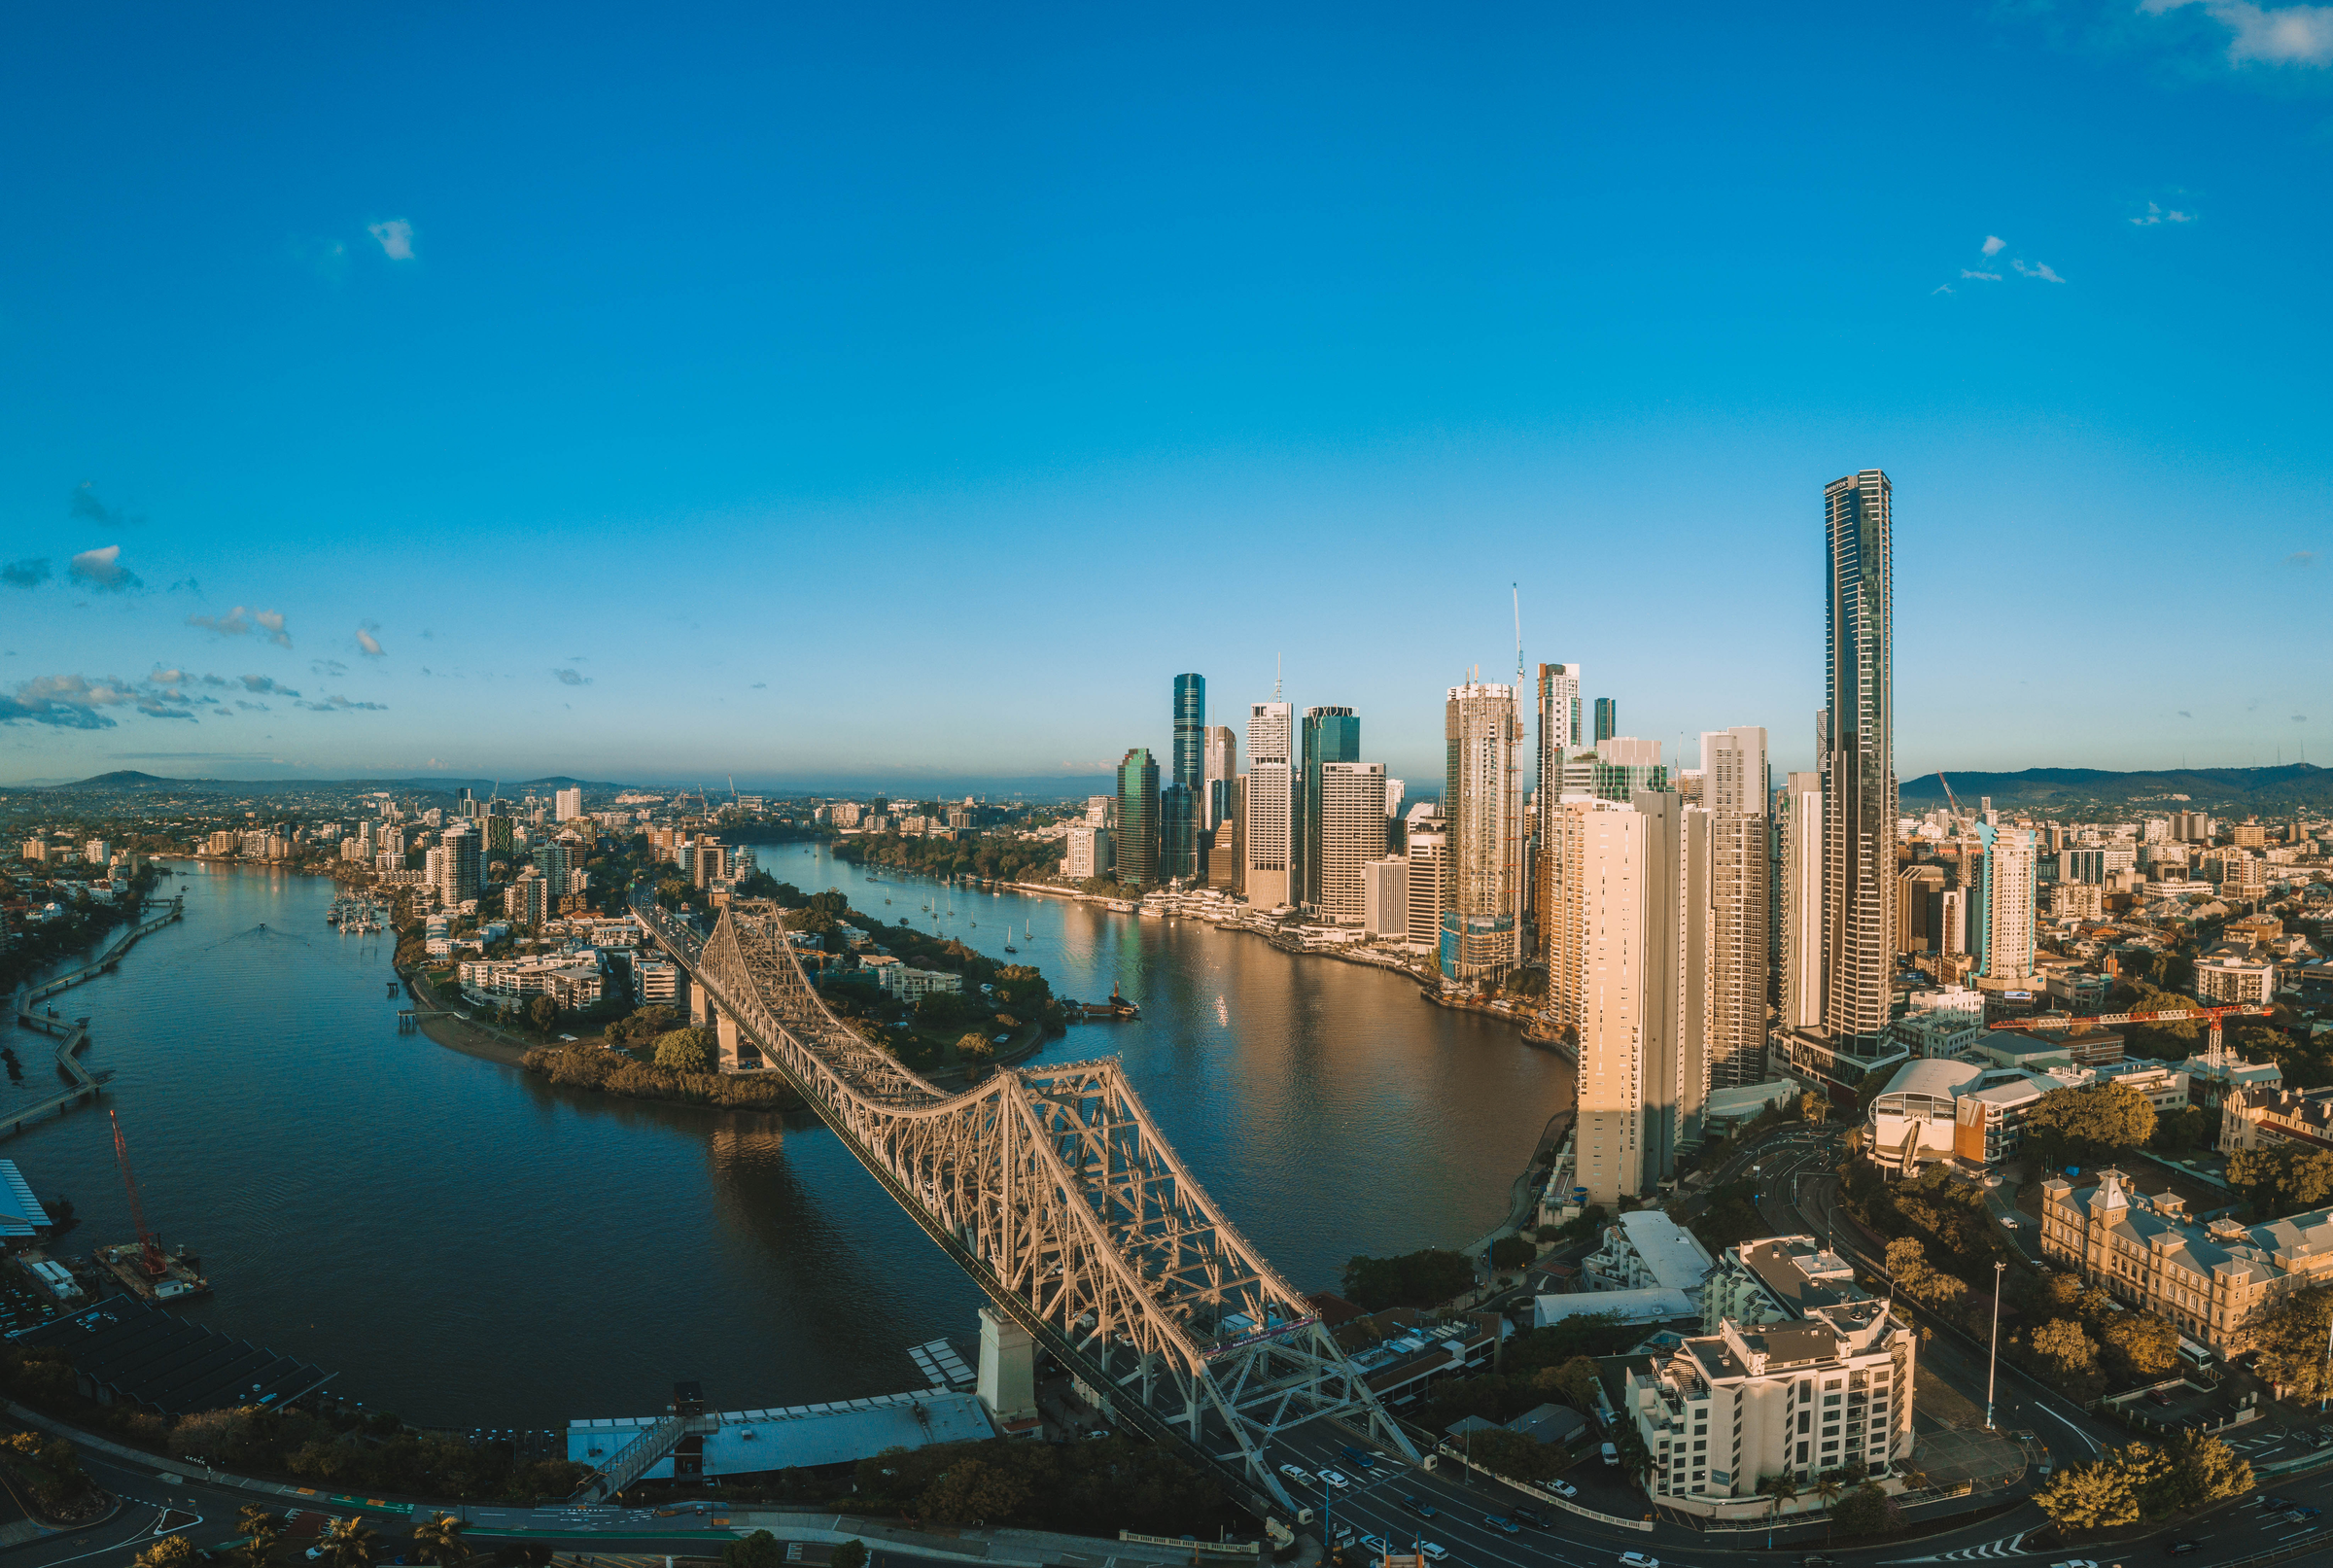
pixel 1778 1279
pixel 2213 1076
pixel 1802 1399
pixel 570 979
pixel 1646 1250
pixel 655 979
pixel 2211 1281
pixel 913 984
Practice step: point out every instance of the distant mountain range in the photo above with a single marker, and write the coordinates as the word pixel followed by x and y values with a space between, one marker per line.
pixel 2217 789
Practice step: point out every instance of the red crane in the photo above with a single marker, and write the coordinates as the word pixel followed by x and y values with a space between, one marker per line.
pixel 2166 1015
pixel 147 1242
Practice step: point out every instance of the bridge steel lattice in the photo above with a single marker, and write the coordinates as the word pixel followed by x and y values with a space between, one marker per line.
pixel 1055 1191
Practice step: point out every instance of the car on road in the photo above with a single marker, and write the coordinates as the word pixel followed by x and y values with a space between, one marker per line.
pixel 1637 1559
pixel 1298 1474
pixel 2009 1222
pixel 1815 1559
pixel 1533 1517
pixel 1376 1544
pixel 1335 1479
pixel 1361 1458
pixel 2275 1505
pixel 2181 1549
pixel 1417 1506
pixel 1500 1521
pixel 2076 1563
pixel 2302 1514
pixel 1432 1552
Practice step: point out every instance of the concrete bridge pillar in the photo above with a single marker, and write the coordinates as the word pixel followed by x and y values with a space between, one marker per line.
pixel 1008 1368
pixel 726 1027
pixel 699 1005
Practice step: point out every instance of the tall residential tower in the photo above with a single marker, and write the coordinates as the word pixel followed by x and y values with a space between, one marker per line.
pixel 1856 753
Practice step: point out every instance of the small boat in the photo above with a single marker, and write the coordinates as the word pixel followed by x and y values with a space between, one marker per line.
pixel 1009 948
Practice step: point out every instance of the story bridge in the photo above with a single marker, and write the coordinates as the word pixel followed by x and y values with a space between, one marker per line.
pixel 1055 1191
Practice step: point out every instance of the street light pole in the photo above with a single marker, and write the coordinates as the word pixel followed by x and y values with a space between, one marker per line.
pixel 1993 1357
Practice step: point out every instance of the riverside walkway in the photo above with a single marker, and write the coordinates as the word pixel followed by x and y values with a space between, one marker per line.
pixel 74 1033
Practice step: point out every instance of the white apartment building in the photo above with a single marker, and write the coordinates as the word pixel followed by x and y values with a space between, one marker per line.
pixel 1646 1250
pixel 1941 1023
pixel 1269 828
pixel 1802 1398
pixel 655 979
pixel 2228 979
pixel 900 980
pixel 1385 897
pixel 1733 770
pixel 1352 834
pixel 1608 925
pixel 1801 909
pixel 1776 1280
pixel 568 979
pixel 567 805
pixel 2001 918
pixel 1089 851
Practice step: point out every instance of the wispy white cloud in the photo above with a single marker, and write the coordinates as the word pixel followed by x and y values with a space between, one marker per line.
pixel 2039 269
pixel 2269 35
pixel 370 644
pixel 2301 558
pixel 103 570
pixel 1994 245
pixel 240 623
pixel 335 703
pixel 2155 214
pixel 1980 277
pixel 396 237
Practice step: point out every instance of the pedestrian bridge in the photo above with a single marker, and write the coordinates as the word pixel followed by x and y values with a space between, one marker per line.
pixel 1054 1190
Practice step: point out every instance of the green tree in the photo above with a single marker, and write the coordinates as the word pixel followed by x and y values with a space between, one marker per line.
pixel 2289 1180
pixel 1636 1460
pixel 2095 1496
pixel 1814 1107
pixel 2291 1336
pixel 2141 1345
pixel 2206 1470
pixel 439 1540
pixel 974 1044
pixel 849 1555
pixel 760 1550
pixel 261 1529
pixel 2065 1347
pixel 1512 1252
pixel 348 1542
pixel 2089 1123
pixel 1576 1381
pixel 1865 1512
pixel 685 1050
pixel 1425 1278
pixel 973 1493
pixel 542 1013
pixel 170 1551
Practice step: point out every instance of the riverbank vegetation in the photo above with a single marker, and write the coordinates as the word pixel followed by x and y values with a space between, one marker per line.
pixel 583 1065
pixel 336 1446
pixel 1426 1279
pixel 1098 1486
pixel 988 856
pixel 88 919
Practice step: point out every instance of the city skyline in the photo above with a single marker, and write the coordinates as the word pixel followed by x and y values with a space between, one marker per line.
pixel 463 438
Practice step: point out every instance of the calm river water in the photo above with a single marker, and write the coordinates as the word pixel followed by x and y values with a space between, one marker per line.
pixel 468 1246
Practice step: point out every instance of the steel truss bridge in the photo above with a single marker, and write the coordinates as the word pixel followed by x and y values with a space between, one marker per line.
pixel 1055 1191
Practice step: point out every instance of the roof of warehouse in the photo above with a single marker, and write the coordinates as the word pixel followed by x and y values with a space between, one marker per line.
pixel 150 1357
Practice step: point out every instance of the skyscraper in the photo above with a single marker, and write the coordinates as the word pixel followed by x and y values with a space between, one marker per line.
pixel 1330 735
pixel 1138 839
pixel 1802 902
pixel 1733 769
pixel 1609 896
pixel 1607 720
pixel 1269 824
pixel 1558 724
pixel 1429 858
pixel 1219 767
pixel 2000 903
pixel 1740 909
pixel 567 804
pixel 1482 803
pixel 1855 742
pixel 1190 732
pixel 1178 834
pixel 1351 834
pixel 1623 765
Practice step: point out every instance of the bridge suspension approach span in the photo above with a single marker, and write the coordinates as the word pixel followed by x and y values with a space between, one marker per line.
pixel 1054 1190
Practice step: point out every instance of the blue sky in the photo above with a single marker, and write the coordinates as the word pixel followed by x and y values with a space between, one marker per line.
pixel 796 394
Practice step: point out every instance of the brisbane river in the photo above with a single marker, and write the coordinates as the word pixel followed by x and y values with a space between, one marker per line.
pixel 468 1246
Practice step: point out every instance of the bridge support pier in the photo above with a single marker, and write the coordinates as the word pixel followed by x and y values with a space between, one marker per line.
pixel 735 1053
pixel 1008 1368
pixel 699 1006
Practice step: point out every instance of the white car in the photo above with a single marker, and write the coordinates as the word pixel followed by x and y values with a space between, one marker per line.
pixel 1431 1551
pixel 1335 1479
pixel 2076 1563
pixel 1637 1559
pixel 1298 1474
pixel 1376 1544
pixel 1563 1488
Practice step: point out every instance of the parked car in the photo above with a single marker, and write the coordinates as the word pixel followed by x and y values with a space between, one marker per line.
pixel 1298 1474
pixel 1637 1559
pixel 1563 1488
pixel 1500 1521
pixel 1423 1510
pixel 1335 1479
pixel 2157 1396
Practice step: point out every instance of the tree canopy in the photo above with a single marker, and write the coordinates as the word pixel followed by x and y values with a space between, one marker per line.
pixel 2144 1481
pixel 687 1049
pixel 2286 1180
pixel 1424 1278
pixel 2089 1123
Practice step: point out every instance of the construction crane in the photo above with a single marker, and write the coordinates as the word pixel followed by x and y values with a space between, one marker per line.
pixel 2164 1015
pixel 150 1246
pixel 1950 798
